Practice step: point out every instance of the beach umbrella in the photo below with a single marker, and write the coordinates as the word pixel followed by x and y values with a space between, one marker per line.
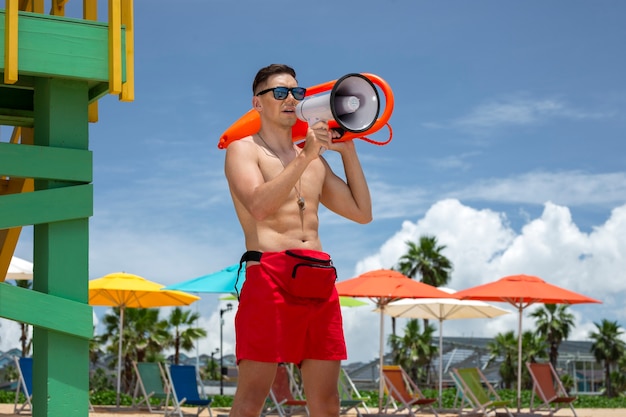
pixel 522 291
pixel 383 286
pixel 441 309
pixel 19 269
pixel 123 290
pixel 226 280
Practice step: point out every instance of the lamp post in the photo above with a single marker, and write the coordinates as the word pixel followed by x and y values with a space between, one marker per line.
pixel 229 307
pixel 213 363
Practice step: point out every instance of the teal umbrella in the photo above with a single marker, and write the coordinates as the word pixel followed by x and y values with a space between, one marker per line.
pixel 227 280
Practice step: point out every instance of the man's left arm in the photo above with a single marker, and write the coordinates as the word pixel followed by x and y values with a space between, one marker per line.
pixel 350 198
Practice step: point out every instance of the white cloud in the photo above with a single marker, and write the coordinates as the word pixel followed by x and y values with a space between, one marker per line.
pixel 510 112
pixel 484 248
pixel 570 188
pixel 513 111
pixel 9 335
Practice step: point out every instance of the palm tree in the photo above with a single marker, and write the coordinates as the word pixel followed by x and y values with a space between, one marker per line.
pixel 184 338
pixel 618 377
pixel 25 341
pixel 554 322
pixel 144 338
pixel 415 350
pixel 534 346
pixel 504 345
pixel 426 262
pixel 607 348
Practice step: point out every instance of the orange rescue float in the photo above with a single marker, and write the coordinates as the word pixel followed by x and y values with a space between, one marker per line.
pixel 348 86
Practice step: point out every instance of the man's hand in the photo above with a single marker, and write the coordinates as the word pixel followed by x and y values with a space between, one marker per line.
pixel 318 139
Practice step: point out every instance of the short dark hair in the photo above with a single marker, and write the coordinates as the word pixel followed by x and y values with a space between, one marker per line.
pixel 267 72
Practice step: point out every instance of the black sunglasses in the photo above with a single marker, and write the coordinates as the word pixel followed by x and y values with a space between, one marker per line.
pixel 281 93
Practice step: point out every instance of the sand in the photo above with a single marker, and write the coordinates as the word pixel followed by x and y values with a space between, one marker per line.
pixel 100 411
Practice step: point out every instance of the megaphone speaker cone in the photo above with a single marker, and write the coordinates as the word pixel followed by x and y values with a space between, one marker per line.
pixel 355 103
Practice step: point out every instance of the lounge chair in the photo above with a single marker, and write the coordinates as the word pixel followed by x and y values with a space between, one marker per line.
pixel 151 383
pixel 281 399
pixel 349 396
pixel 403 393
pixel 548 388
pixel 478 392
pixel 459 393
pixel 24 368
pixel 183 390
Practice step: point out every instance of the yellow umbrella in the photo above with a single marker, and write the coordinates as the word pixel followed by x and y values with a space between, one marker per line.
pixel 123 290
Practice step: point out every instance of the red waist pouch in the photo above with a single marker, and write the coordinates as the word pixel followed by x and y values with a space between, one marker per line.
pixel 302 273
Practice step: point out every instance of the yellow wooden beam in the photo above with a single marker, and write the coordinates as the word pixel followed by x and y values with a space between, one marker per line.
pixel 15 136
pixel 92 112
pixel 10 42
pixel 90 12
pixel 115 47
pixel 58 7
pixel 90 9
pixel 9 237
pixel 8 242
pixel 38 6
pixel 26 5
pixel 128 17
pixel 28 136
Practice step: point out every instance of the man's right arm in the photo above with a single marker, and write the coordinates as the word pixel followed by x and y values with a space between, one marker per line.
pixel 260 198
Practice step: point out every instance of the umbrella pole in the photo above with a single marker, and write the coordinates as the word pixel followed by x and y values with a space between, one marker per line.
pixel 119 357
pixel 380 360
pixel 519 359
pixel 440 361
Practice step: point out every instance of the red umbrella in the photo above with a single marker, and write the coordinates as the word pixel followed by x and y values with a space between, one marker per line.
pixel 382 287
pixel 521 291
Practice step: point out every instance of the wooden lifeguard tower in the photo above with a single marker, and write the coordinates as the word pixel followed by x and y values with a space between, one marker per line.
pixel 53 71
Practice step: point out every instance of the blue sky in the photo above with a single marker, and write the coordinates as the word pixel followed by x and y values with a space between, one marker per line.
pixel 508 145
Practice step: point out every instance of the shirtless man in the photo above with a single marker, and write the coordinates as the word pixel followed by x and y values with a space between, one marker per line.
pixel 277 188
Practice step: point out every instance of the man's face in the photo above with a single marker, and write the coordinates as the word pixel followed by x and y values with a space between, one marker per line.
pixel 282 112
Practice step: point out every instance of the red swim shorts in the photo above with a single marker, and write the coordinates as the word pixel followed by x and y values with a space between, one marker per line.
pixel 274 326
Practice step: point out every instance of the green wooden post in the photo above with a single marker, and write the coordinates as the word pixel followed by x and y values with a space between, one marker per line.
pixel 63 67
pixel 61 252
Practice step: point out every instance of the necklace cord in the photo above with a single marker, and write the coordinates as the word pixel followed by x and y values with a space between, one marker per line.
pixel 299 198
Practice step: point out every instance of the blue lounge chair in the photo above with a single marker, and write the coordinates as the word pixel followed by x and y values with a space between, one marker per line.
pixel 183 390
pixel 24 385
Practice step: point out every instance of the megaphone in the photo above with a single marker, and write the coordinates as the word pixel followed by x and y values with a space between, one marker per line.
pixel 352 105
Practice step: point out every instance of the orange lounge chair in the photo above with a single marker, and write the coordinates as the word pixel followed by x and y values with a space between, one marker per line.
pixel 281 398
pixel 403 393
pixel 548 388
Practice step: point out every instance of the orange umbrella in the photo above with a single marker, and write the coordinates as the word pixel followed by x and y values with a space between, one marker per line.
pixel 522 291
pixel 382 287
